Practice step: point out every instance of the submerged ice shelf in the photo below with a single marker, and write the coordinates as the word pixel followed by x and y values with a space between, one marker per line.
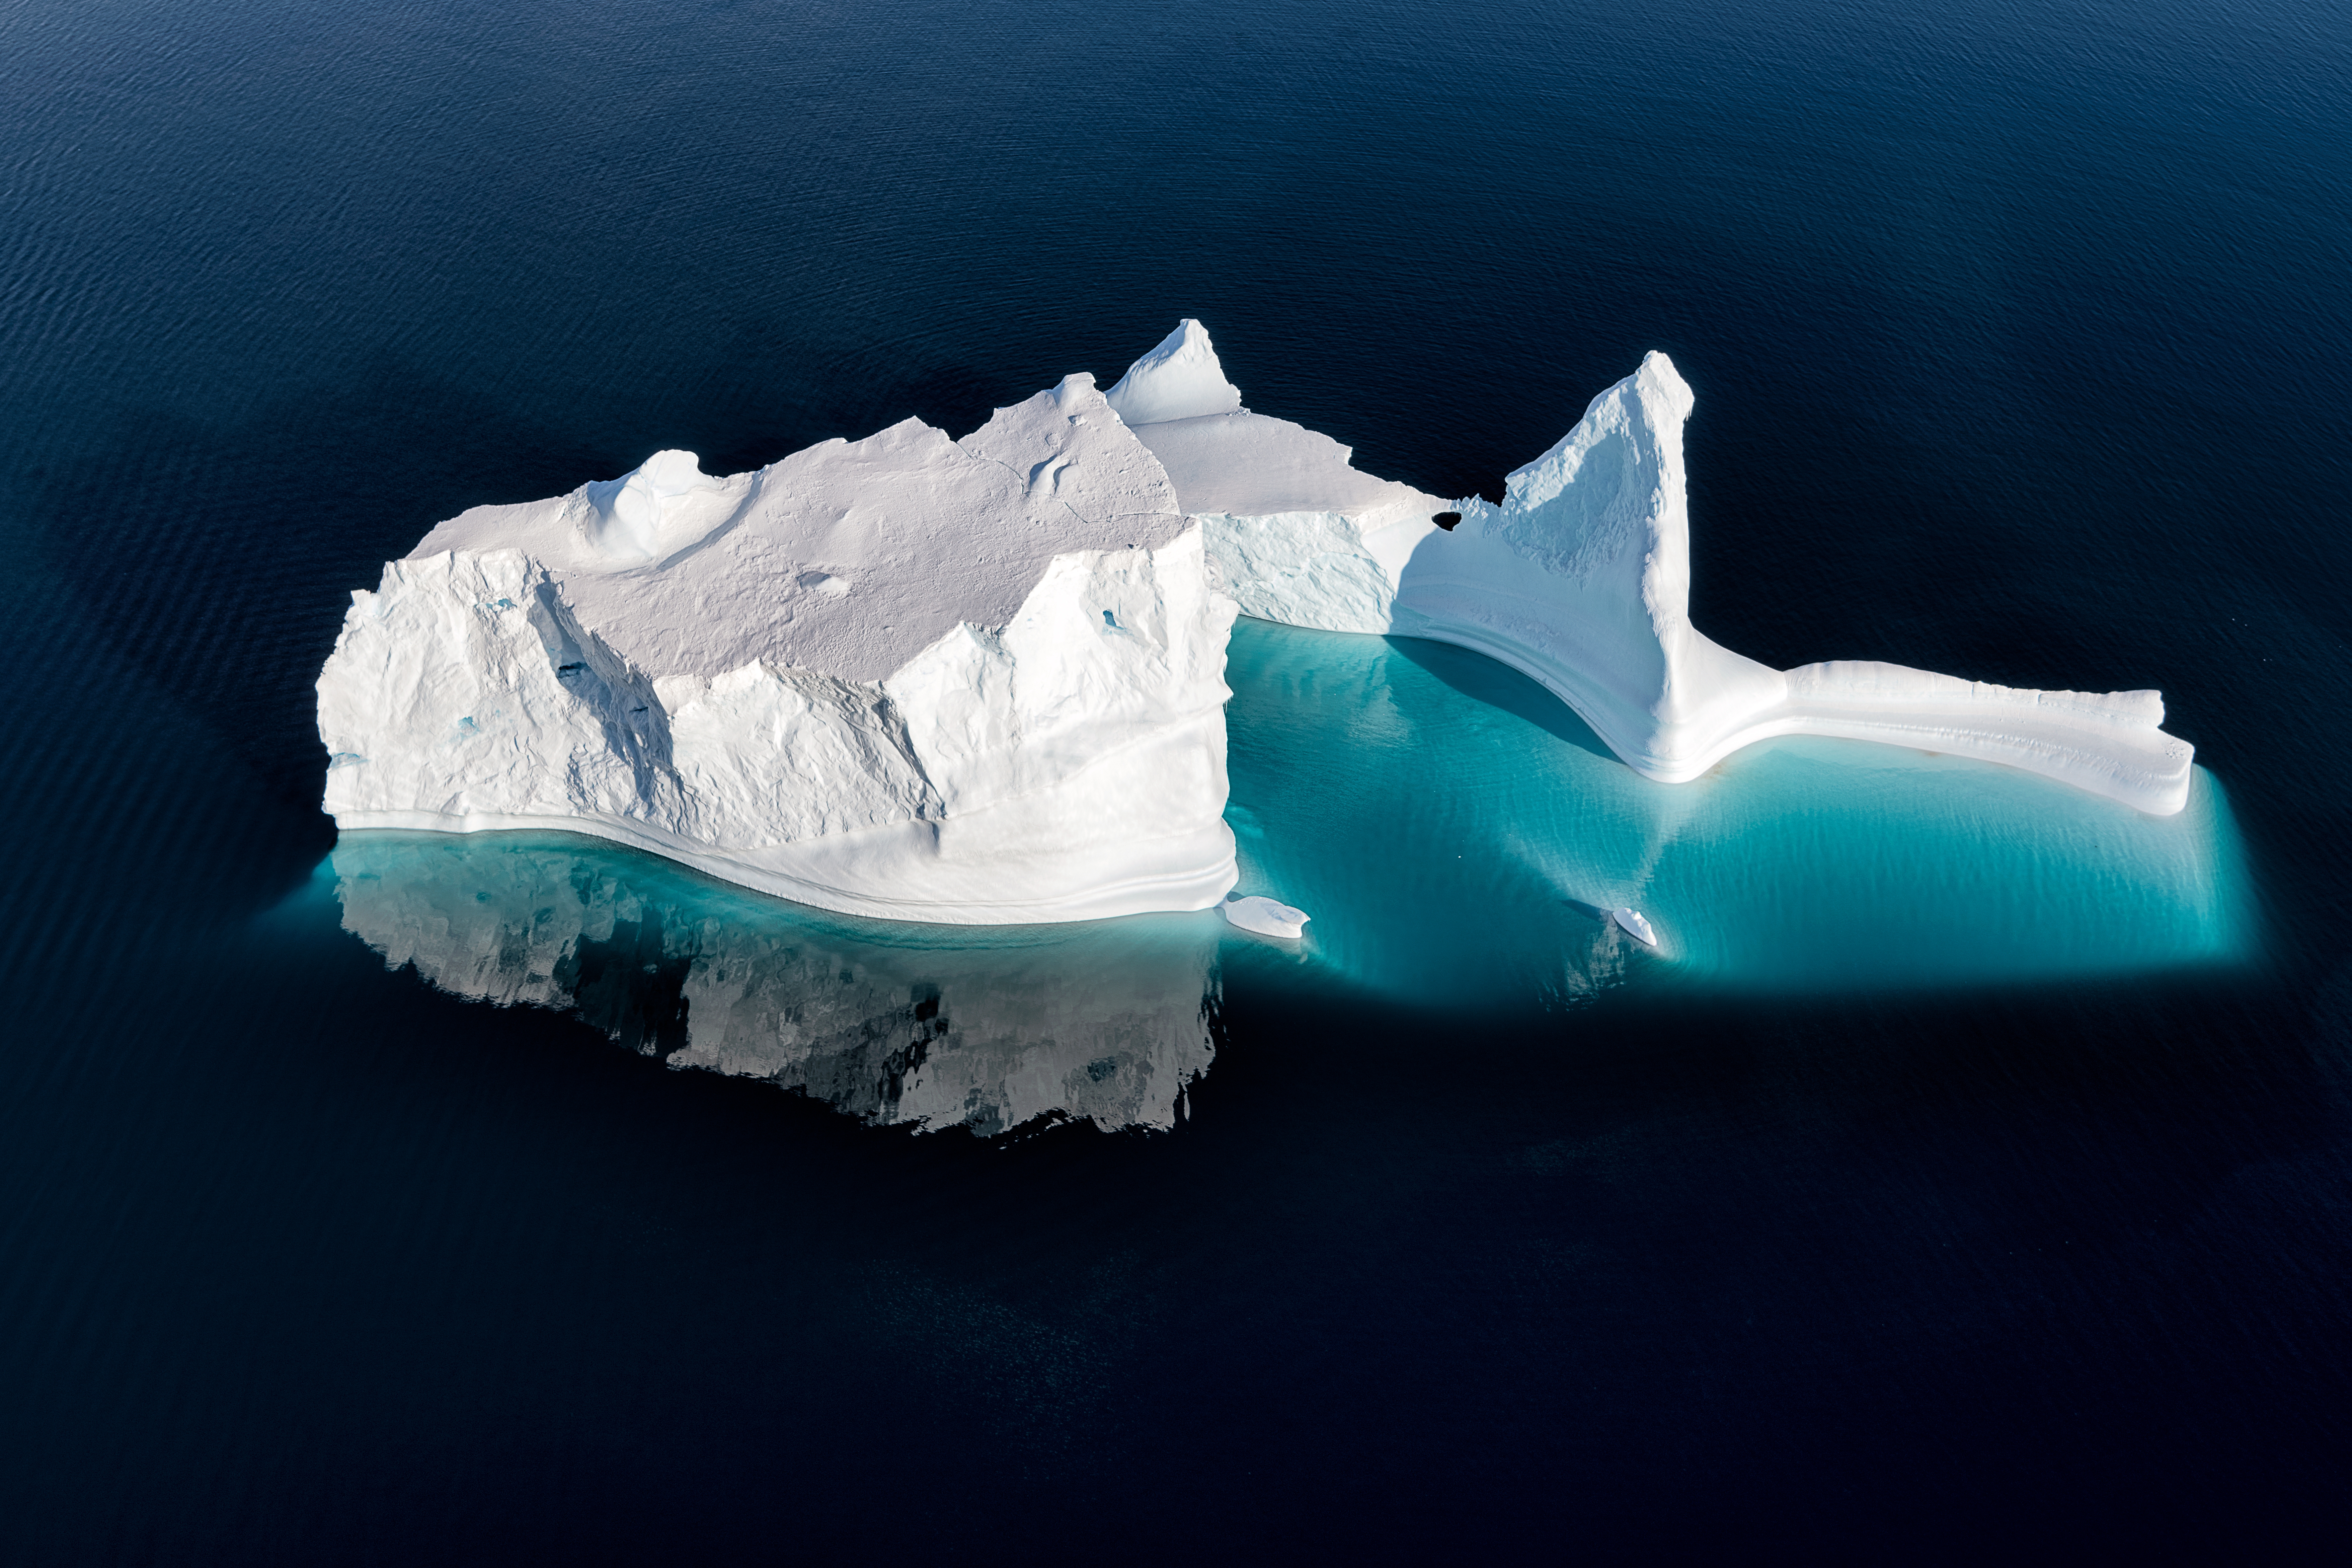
pixel 1462 837
pixel 981 680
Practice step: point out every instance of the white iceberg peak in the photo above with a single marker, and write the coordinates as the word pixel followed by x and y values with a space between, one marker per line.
pixel 1181 378
pixel 1582 578
pixel 628 517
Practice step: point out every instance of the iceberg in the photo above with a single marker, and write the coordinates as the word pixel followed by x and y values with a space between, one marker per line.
pixel 951 680
pixel 1581 579
pixel 981 680
pixel 1634 925
pixel 1266 918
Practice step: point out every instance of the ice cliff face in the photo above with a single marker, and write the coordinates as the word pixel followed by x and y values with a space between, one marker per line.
pixel 1582 580
pixel 1301 537
pixel 974 681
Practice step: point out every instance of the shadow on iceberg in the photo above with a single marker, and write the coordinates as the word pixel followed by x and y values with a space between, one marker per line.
pixel 1105 1022
pixel 1473 675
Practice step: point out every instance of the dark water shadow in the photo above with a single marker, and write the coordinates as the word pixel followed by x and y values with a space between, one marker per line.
pixel 1496 684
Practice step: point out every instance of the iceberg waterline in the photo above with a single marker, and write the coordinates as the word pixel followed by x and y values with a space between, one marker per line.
pixel 981 680
pixel 1461 838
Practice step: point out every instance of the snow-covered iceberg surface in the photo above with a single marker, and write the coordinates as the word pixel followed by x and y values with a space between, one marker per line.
pixel 1105 1022
pixel 1582 580
pixel 968 681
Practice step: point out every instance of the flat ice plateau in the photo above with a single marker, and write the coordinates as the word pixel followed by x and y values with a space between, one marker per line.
pixel 1582 580
pixel 965 682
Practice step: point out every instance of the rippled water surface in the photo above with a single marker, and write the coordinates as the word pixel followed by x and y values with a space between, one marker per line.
pixel 1971 1163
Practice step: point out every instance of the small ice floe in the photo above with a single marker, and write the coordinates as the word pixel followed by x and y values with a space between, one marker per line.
pixel 1266 918
pixel 1634 925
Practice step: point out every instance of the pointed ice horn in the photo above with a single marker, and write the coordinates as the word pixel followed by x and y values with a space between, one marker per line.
pixel 1178 379
pixel 1608 506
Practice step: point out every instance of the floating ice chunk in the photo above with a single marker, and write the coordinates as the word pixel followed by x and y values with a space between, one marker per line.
pixel 1266 918
pixel 1181 378
pixel 1634 925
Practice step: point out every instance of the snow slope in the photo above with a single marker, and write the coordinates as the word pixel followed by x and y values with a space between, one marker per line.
pixel 1582 580
pixel 955 680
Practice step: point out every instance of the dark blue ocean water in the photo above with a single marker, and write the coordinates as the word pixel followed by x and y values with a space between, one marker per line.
pixel 2013 1213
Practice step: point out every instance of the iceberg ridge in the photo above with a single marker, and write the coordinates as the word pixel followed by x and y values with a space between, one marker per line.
pixel 1581 579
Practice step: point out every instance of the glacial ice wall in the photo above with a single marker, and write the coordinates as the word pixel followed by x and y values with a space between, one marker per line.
pixel 1581 579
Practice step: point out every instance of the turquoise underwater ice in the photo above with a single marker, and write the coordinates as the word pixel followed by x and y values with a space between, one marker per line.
pixel 1456 832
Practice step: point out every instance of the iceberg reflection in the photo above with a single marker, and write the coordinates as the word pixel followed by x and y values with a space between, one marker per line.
pixel 1105 1022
